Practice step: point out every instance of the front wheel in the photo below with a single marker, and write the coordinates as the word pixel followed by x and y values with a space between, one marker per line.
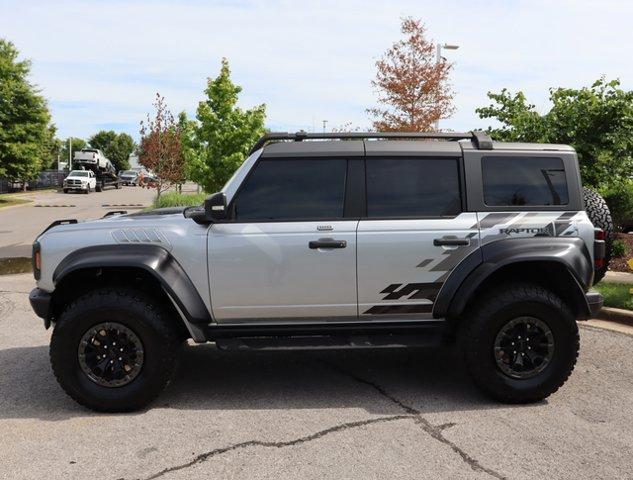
pixel 519 343
pixel 114 350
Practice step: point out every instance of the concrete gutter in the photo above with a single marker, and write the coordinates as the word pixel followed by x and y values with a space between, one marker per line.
pixel 617 315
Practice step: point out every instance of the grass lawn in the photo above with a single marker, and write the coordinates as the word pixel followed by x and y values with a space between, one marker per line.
pixel 11 199
pixel 616 295
pixel 175 199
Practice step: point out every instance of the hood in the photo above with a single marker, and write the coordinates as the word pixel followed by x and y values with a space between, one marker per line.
pixel 160 217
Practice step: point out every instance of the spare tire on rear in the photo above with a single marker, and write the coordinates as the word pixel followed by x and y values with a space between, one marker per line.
pixel 599 214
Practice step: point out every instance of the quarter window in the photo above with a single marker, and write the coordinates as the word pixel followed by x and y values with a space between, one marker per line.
pixel 510 181
pixel 292 189
pixel 412 187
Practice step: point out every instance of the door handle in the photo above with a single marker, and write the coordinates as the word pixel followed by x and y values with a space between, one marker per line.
pixel 451 242
pixel 327 243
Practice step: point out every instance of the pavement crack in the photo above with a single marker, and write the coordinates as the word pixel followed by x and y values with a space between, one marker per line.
pixel 435 431
pixel 203 457
pixel 445 426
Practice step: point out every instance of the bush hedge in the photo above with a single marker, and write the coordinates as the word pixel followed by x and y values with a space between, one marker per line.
pixel 619 198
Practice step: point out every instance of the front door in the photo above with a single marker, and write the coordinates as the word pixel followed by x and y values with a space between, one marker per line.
pixel 414 235
pixel 288 253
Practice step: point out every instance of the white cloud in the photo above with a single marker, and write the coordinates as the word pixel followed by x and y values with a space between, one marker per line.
pixel 102 62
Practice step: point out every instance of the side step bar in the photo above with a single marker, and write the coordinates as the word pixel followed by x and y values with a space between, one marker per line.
pixel 320 336
pixel 325 342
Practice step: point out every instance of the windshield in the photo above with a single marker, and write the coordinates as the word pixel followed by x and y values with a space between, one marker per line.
pixel 234 182
pixel 79 173
pixel 129 172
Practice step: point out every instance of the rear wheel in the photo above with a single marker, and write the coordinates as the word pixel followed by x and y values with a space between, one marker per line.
pixel 114 350
pixel 519 343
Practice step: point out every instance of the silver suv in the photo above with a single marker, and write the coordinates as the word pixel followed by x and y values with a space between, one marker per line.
pixel 334 239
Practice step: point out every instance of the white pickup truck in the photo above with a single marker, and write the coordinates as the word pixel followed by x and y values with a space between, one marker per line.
pixel 92 157
pixel 80 180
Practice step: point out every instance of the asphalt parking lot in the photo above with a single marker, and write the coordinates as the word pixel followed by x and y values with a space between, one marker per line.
pixel 19 225
pixel 328 414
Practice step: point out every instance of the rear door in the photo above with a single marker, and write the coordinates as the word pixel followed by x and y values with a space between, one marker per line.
pixel 289 253
pixel 413 235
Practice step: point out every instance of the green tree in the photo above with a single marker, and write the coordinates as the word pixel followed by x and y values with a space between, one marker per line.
pixel 117 147
pixel 597 121
pixel 26 134
pixel 223 134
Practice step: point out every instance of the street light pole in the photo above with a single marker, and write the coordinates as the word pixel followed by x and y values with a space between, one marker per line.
pixel 438 59
pixel 70 153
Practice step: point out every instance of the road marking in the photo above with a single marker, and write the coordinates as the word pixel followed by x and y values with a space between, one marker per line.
pixel 122 205
pixel 54 205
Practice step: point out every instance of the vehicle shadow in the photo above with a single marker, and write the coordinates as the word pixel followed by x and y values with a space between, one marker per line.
pixel 379 381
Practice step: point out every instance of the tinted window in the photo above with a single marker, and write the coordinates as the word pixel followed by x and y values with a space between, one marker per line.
pixel 524 181
pixel 293 189
pixel 412 187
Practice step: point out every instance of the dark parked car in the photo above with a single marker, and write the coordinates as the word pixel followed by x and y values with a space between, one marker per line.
pixel 129 177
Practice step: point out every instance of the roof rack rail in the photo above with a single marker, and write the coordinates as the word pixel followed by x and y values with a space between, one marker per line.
pixel 481 139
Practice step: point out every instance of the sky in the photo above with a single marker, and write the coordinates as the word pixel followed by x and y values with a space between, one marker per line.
pixel 100 63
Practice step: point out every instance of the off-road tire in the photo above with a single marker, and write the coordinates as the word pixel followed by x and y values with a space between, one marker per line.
pixel 599 214
pixel 145 318
pixel 483 321
pixel 65 190
pixel 99 187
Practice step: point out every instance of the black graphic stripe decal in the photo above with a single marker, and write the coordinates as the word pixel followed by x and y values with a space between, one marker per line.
pixel 399 309
pixel 396 291
pixel 493 219
pixel 424 263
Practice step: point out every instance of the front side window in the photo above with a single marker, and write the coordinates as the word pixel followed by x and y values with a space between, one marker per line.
pixel 512 181
pixel 293 189
pixel 412 187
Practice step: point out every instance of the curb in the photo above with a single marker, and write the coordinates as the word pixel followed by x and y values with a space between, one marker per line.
pixel 616 315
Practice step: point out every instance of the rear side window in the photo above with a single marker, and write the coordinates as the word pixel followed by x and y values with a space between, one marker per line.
pixel 509 181
pixel 292 189
pixel 412 187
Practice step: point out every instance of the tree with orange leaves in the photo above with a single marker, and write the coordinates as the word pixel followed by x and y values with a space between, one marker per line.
pixel 160 149
pixel 412 85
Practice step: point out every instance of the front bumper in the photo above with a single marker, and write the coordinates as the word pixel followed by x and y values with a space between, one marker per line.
pixel 595 300
pixel 40 303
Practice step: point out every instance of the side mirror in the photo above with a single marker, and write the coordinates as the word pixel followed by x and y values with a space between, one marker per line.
pixel 213 210
pixel 215 207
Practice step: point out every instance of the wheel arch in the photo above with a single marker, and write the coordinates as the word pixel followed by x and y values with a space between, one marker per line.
pixel 562 265
pixel 146 267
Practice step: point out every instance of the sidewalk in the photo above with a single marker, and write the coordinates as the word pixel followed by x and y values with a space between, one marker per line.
pixel 618 277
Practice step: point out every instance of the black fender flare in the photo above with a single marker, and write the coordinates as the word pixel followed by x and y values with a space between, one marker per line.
pixel 570 252
pixel 153 259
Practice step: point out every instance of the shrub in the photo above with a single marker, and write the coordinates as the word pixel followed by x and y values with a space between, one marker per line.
pixel 619 248
pixel 619 198
pixel 175 199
